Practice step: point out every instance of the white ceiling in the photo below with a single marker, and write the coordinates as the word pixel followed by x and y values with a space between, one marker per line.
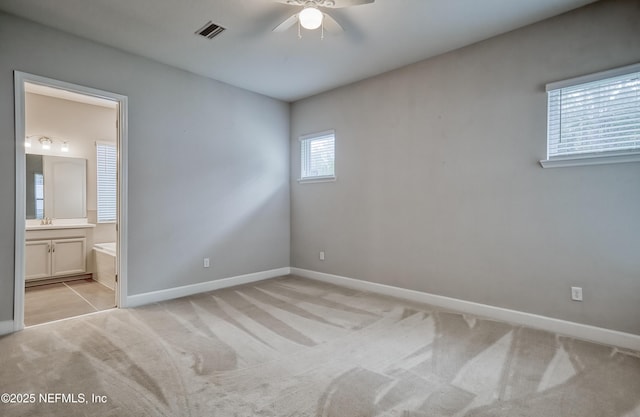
pixel 378 37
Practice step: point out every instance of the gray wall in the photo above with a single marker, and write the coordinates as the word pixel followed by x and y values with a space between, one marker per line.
pixel 439 189
pixel 208 163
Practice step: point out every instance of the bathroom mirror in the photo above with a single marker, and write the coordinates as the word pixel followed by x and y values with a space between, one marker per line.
pixel 56 187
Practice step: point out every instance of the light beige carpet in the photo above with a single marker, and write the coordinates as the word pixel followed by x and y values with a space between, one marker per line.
pixel 293 347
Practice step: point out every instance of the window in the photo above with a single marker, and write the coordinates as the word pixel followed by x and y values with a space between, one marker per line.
pixel 39 195
pixel 317 156
pixel 107 157
pixel 595 117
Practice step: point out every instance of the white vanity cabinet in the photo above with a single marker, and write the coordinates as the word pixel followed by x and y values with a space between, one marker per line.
pixel 55 253
pixel 54 258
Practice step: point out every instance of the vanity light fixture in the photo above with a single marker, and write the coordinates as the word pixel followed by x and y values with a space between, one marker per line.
pixel 45 142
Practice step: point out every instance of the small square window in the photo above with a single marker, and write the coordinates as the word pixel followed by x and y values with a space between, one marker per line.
pixel 317 156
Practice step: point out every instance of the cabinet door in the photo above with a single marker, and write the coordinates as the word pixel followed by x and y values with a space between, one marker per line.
pixel 68 256
pixel 37 259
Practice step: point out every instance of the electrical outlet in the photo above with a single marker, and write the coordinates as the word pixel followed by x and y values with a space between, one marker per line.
pixel 576 293
pixel 322 255
pixel 206 262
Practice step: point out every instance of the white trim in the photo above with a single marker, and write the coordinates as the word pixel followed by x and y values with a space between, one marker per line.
pixel 19 93
pixel 591 159
pixel 309 180
pixel 6 327
pixel 327 132
pixel 593 77
pixel 122 224
pixel 21 213
pixel 567 328
pixel 177 292
pixel 63 85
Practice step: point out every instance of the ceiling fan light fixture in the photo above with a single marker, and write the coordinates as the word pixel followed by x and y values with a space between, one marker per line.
pixel 310 18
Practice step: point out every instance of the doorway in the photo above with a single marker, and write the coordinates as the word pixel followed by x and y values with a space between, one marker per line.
pixel 71 148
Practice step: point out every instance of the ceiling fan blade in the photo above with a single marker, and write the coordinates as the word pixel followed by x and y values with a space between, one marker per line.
pixel 345 3
pixel 326 3
pixel 292 2
pixel 331 25
pixel 290 21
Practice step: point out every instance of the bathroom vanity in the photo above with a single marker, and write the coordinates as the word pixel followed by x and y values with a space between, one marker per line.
pixel 56 189
pixel 56 251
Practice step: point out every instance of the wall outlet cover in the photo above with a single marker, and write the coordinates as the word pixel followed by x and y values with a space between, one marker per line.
pixel 576 293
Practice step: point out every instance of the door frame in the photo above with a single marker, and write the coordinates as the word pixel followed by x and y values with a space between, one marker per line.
pixel 20 236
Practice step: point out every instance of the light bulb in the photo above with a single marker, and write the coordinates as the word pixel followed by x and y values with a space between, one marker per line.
pixel 65 147
pixel 27 143
pixel 310 18
pixel 46 143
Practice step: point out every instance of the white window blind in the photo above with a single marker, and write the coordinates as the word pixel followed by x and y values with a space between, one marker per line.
pixel 39 194
pixel 317 156
pixel 107 158
pixel 595 118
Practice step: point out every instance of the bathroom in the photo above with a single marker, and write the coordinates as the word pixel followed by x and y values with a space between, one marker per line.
pixel 71 207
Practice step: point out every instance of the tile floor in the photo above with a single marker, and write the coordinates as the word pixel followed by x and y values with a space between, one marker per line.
pixel 62 300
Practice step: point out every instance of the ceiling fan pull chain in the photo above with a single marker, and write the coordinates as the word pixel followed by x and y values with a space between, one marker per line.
pixel 299 33
pixel 322 32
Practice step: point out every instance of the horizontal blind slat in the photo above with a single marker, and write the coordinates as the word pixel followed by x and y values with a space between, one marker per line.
pixel 620 108
pixel 612 106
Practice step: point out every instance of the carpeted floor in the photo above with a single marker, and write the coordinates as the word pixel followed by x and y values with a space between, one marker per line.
pixel 294 347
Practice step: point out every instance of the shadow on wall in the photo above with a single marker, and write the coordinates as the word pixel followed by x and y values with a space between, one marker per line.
pixel 219 226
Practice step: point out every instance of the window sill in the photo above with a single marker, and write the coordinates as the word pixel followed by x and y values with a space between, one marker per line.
pixel 316 179
pixel 590 159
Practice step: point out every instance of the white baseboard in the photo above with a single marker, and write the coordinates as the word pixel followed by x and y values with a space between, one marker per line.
pixel 6 327
pixel 171 293
pixel 567 328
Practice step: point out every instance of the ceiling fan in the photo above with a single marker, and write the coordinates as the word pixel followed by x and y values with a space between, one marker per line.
pixel 311 17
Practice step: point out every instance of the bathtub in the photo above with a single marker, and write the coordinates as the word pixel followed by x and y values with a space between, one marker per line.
pixel 104 262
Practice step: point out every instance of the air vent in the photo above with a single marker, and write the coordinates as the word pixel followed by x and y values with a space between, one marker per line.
pixel 210 30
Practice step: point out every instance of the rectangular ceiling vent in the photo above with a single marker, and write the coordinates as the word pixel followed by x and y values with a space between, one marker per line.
pixel 210 30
